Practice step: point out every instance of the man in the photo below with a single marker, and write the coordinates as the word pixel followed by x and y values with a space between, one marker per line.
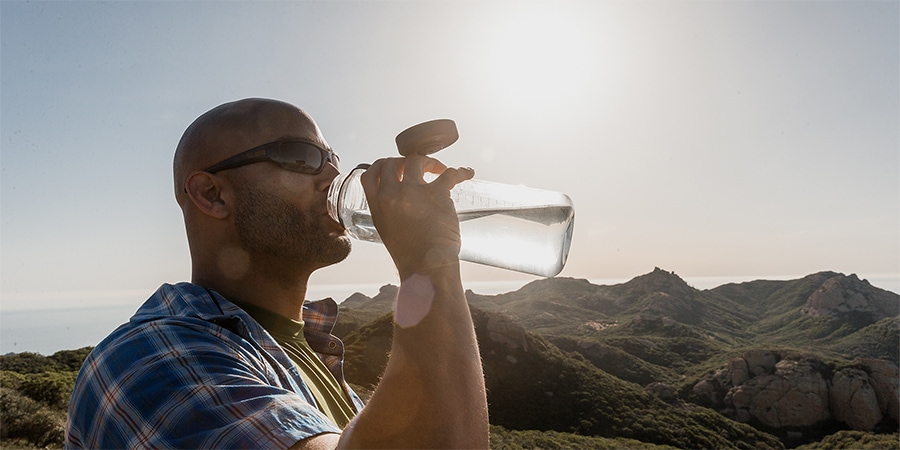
pixel 235 358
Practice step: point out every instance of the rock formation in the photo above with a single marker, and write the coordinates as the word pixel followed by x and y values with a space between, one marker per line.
pixel 800 391
pixel 853 400
pixel 848 294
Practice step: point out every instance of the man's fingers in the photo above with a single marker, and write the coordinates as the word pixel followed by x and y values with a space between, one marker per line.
pixel 388 173
pixel 453 176
pixel 383 172
pixel 417 165
pixel 371 178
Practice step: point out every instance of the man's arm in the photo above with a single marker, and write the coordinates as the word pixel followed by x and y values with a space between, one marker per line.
pixel 432 393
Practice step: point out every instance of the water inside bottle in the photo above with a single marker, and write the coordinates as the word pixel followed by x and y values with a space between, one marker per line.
pixel 500 225
pixel 533 239
pixel 362 227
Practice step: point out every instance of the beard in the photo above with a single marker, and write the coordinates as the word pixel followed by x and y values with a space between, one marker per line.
pixel 268 225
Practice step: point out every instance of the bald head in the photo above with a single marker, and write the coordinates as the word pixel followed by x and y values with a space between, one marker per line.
pixel 231 128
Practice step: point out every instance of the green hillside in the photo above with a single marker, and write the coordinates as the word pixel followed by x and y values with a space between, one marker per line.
pixel 592 345
pixel 651 363
pixel 532 385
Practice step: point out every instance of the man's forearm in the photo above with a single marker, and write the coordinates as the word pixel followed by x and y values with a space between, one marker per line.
pixel 432 393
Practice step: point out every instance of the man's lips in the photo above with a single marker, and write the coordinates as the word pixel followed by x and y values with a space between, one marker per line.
pixel 333 223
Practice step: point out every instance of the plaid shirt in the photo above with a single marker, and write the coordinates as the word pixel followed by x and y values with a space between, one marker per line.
pixel 192 370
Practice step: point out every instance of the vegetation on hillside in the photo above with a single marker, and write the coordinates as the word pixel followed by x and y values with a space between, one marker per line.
pixel 656 334
pixel 504 439
pixel 532 385
pixel 569 364
pixel 857 440
pixel 34 396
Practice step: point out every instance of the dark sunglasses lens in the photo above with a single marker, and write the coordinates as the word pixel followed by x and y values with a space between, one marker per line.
pixel 298 156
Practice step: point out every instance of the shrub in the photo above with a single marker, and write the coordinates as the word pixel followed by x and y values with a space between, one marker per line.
pixel 856 440
pixel 28 420
pixel 50 388
pixel 27 362
pixel 71 360
pixel 504 439
pixel 10 379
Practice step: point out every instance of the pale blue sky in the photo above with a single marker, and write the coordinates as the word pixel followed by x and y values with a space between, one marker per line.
pixel 730 139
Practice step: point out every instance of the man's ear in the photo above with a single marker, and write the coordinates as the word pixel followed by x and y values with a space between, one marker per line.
pixel 205 191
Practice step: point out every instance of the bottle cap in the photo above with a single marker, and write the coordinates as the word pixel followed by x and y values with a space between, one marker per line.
pixel 427 137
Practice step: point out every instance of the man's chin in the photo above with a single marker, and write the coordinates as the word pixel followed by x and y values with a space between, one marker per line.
pixel 338 251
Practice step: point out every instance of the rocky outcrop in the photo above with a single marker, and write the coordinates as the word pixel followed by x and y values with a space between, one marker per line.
pixel 777 393
pixel 841 294
pixel 762 387
pixel 853 400
pixel 886 384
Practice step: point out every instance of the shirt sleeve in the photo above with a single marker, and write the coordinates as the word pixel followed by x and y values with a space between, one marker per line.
pixel 187 384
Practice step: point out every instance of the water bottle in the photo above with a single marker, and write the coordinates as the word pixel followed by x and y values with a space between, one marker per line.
pixel 507 226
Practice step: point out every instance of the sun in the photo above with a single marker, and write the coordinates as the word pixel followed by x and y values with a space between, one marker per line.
pixel 542 56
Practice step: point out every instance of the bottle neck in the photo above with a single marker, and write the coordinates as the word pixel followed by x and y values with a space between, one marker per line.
pixel 337 190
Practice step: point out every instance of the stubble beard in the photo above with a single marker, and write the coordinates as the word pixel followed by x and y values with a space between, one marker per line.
pixel 268 225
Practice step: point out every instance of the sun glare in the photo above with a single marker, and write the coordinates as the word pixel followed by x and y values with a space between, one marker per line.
pixel 541 57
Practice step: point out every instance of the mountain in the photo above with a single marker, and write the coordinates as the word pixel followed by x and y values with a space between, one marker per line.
pixel 819 308
pixel 532 385
pixel 600 359
pixel 662 320
pixel 358 309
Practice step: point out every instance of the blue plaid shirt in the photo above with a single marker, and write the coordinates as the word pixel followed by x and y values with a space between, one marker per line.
pixel 192 370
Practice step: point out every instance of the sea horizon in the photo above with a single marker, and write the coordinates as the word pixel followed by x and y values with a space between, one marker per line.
pixel 48 322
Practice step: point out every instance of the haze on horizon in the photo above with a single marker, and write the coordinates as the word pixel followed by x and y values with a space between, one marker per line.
pixel 713 139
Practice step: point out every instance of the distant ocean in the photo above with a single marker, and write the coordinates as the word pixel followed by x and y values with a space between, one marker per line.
pixel 46 323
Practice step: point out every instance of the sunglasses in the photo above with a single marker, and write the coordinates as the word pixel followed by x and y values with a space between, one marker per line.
pixel 294 155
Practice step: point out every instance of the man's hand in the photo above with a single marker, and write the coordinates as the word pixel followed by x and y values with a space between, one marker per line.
pixel 416 220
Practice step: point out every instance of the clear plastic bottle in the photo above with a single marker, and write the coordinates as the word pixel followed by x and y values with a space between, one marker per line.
pixel 507 226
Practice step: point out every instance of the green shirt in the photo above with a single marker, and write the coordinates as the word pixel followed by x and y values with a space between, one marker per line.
pixel 331 399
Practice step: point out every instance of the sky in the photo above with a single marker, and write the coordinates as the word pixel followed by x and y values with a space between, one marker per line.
pixel 732 139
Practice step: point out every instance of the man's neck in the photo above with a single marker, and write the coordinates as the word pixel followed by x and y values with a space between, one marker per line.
pixel 273 287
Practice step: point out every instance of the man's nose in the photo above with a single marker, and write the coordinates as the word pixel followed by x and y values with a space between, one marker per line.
pixel 328 174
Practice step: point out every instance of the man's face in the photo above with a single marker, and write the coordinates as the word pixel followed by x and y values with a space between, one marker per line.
pixel 280 213
pixel 267 224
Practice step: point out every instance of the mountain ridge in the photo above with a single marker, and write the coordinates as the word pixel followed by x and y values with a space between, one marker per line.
pixel 685 347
